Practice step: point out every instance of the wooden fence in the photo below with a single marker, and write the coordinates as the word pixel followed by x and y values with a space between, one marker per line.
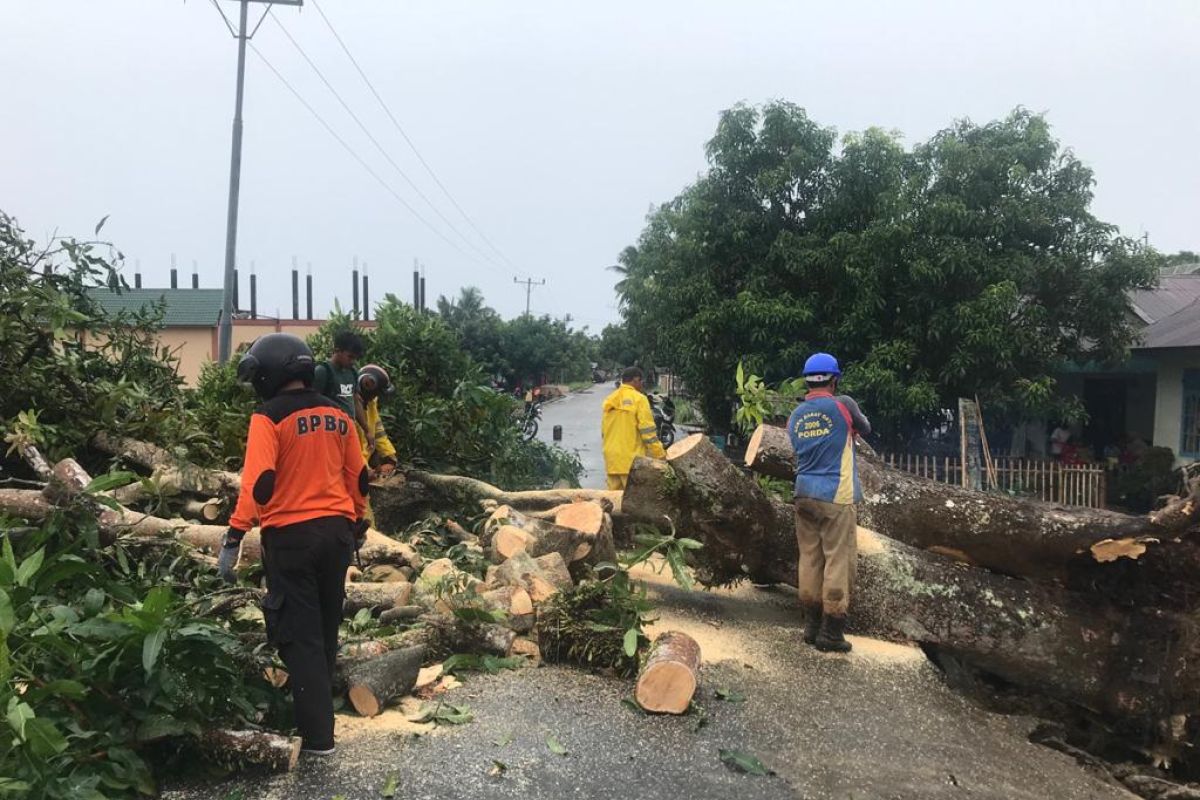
pixel 1070 485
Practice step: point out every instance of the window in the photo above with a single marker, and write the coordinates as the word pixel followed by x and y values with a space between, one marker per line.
pixel 1190 439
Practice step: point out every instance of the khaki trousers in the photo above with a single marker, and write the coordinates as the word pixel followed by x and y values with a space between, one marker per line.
pixel 827 536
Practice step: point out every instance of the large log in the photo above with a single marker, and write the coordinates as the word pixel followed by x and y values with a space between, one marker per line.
pixel 378 597
pixel 374 683
pixel 668 677
pixel 234 749
pixel 1130 663
pixel 1012 535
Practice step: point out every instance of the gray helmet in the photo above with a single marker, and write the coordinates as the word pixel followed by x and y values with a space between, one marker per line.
pixel 274 361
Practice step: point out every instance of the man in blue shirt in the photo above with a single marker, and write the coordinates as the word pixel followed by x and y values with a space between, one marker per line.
pixel 822 429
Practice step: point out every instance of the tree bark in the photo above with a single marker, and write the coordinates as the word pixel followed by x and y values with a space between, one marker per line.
pixel 668 678
pixel 508 531
pixel 1011 535
pixel 374 683
pixel 378 597
pixel 401 500
pixel 234 749
pixel 172 474
pixel 1130 663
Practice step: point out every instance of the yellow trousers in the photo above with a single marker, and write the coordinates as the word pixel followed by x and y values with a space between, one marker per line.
pixel 617 482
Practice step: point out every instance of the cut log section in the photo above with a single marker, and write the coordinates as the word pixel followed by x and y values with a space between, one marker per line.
pixel 1011 535
pixel 374 683
pixel 516 603
pixel 378 597
pixel 541 577
pixel 233 749
pixel 206 511
pixel 400 614
pixel 508 532
pixel 667 681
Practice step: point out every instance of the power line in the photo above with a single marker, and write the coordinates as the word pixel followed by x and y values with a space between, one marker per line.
pixel 352 152
pixel 412 146
pixel 362 126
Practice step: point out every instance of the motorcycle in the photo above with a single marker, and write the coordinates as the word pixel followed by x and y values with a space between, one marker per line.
pixel 663 411
pixel 529 421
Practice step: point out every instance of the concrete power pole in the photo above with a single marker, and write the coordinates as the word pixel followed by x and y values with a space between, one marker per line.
pixel 243 34
pixel 529 284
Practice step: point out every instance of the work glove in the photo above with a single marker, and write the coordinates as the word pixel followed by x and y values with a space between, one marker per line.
pixel 231 545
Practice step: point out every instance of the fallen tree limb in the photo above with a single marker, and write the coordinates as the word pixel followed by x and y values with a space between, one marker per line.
pixel 374 683
pixel 1012 535
pixel 1133 664
pixel 172 474
pixel 405 498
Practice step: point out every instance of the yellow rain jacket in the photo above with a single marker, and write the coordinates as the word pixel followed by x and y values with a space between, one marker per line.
pixel 385 451
pixel 628 430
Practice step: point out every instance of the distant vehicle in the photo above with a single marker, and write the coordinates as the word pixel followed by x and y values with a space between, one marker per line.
pixel 663 410
pixel 529 420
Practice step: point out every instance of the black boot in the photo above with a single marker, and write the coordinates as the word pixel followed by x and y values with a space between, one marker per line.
pixel 831 639
pixel 812 622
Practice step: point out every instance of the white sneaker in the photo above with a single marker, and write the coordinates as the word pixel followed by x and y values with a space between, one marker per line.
pixel 313 751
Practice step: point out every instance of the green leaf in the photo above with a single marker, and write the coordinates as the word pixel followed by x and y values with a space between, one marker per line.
pixel 157 601
pixel 631 642
pixel 554 745
pixel 73 690
pixel 151 646
pixel 159 726
pixel 632 705
pixel 730 695
pixel 19 714
pixel 504 740
pixel 497 769
pixel 362 618
pixel 13 786
pixel 738 761
pixel 8 618
pixel 93 601
pixel 112 480
pixel 445 714
pixel 30 566
pixel 391 786
pixel 44 739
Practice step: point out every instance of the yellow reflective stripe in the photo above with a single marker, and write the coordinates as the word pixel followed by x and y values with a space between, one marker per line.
pixel 648 429
pixel 845 489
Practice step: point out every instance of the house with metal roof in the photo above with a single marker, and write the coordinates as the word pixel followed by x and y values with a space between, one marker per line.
pixel 189 322
pixel 1154 396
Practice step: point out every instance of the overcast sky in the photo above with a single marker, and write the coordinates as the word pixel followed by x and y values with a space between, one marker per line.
pixel 555 125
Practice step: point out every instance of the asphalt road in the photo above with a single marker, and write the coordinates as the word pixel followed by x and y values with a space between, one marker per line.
pixel 579 416
pixel 878 723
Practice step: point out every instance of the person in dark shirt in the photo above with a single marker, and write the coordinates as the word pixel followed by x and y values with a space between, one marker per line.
pixel 337 379
pixel 822 430
pixel 304 484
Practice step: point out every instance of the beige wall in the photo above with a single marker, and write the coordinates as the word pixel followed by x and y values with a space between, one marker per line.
pixel 1168 407
pixel 192 346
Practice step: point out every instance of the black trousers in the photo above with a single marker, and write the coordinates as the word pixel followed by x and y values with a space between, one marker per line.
pixel 306 586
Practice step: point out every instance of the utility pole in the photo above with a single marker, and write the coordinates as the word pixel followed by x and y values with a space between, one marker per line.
pixel 243 34
pixel 529 284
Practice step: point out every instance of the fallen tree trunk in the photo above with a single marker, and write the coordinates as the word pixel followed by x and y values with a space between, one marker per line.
pixel 234 749
pixel 374 683
pixel 1012 535
pixel 668 678
pixel 404 499
pixel 1131 664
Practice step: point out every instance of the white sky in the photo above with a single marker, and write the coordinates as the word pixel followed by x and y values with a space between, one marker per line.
pixel 555 124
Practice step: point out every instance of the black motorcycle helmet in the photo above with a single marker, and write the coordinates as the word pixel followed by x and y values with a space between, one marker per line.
pixel 373 381
pixel 274 361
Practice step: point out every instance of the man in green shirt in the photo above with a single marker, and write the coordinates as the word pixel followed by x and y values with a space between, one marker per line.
pixel 337 379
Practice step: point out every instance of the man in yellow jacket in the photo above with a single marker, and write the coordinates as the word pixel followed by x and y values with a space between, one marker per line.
pixel 628 428
pixel 374 382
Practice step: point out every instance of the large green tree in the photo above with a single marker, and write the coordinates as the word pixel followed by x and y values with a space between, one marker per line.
pixel 968 264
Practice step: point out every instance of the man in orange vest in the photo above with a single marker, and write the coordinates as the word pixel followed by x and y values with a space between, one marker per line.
pixel 304 484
